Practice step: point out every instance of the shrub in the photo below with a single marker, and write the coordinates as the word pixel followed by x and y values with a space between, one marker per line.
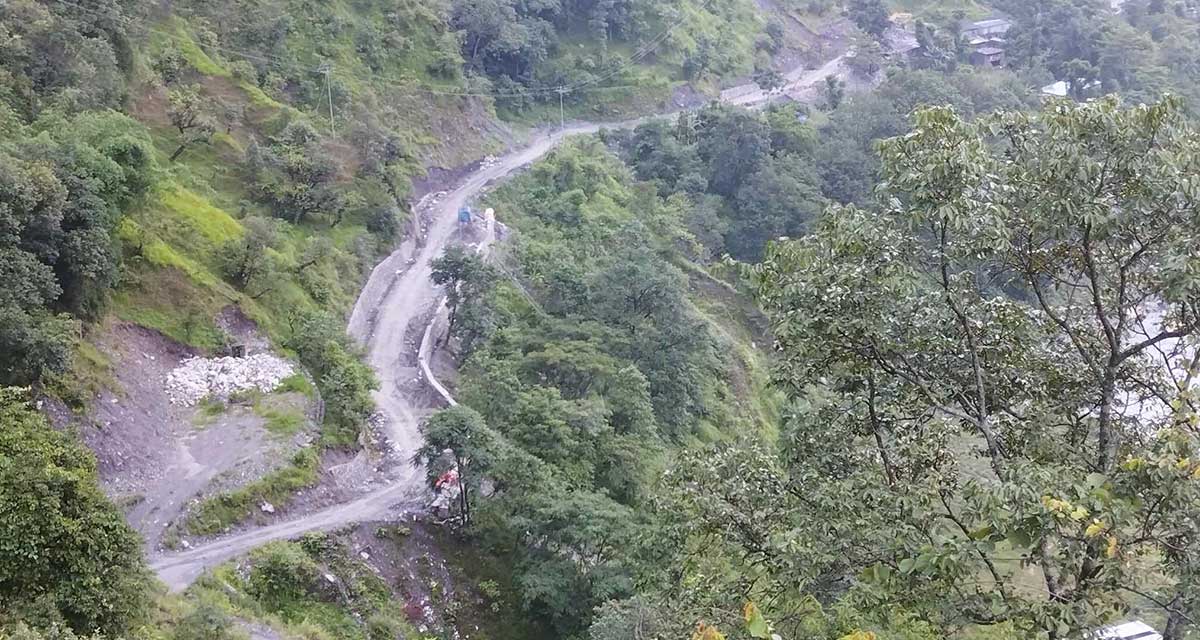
pixel 204 622
pixel 282 573
pixel 66 554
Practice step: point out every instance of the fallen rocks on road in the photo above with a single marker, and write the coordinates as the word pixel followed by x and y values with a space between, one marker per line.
pixel 198 378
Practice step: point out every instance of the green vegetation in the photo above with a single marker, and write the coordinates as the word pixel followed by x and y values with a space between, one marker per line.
pixel 159 164
pixel 582 373
pixel 387 56
pixel 344 380
pixel 526 50
pixel 98 199
pixel 67 556
pixel 207 410
pixel 898 476
pixel 204 622
pixel 966 317
pixel 89 372
pixel 980 484
pixel 296 383
pixel 283 422
pixel 213 515
pixel 64 183
pixel 311 588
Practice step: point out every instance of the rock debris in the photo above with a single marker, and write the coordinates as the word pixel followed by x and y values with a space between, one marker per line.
pixel 198 378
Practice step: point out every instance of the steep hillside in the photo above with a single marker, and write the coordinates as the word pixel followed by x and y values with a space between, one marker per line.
pixel 183 180
pixel 593 350
pixel 276 142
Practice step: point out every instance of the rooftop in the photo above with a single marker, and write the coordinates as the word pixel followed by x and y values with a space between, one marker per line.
pixel 990 25
pixel 1136 630
pixel 1059 88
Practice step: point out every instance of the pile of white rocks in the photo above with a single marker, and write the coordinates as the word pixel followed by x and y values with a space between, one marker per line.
pixel 198 378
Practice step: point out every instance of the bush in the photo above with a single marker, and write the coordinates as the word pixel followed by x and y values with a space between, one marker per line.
pixel 217 513
pixel 244 71
pixel 170 65
pixel 384 223
pixel 282 573
pixel 66 554
pixel 204 622
pixel 382 626
pixel 22 631
pixel 344 380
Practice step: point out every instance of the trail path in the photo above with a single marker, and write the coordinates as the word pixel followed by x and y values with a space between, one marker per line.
pixel 398 293
pixel 797 83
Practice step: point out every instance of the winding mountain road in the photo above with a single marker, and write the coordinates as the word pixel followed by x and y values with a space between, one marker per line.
pixel 797 82
pixel 398 293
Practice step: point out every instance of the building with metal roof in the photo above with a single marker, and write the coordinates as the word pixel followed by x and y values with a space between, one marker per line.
pixel 1136 630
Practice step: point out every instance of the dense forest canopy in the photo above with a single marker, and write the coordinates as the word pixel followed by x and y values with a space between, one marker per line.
pixel 989 429
pixel 68 558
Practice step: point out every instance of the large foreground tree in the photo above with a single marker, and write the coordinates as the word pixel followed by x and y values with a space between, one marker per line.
pixel 67 557
pixel 994 420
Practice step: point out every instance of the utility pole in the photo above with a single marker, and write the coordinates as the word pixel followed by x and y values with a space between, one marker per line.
pixel 562 118
pixel 326 68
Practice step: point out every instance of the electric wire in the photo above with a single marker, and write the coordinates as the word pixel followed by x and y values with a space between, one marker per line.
pixel 642 52
pixel 404 85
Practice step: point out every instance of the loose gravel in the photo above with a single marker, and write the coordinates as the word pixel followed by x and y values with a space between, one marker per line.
pixel 198 378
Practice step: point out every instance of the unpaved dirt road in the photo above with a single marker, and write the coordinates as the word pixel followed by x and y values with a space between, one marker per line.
pixel 398 293
pixel 178 570
pixel 798 83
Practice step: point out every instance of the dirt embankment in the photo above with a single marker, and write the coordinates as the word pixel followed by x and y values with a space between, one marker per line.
pixel 156 456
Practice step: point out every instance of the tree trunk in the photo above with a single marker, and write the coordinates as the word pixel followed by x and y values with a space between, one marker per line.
pixel 888 470
pixel 1176 625
pixel 463 502
pixel 178 152
pixel 1105 443
pixel 450 326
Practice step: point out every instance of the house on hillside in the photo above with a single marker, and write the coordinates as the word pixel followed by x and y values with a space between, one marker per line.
pixel 988 56
pixel 985 30
pixel 1136 630
pixel 905 21
pixel 1065 88
pixel 984 40
pixel 898 43
pixel 1058 89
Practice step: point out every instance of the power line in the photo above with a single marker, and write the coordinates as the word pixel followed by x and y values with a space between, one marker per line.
pixel 643 51
pixel 327 69
pixel 407 86
pixel 128 22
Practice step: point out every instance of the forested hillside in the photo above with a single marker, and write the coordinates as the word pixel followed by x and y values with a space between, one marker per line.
pixel 991 425
pixel 582 373
pixel 226 143
pixel 163 163
pixel 907 349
